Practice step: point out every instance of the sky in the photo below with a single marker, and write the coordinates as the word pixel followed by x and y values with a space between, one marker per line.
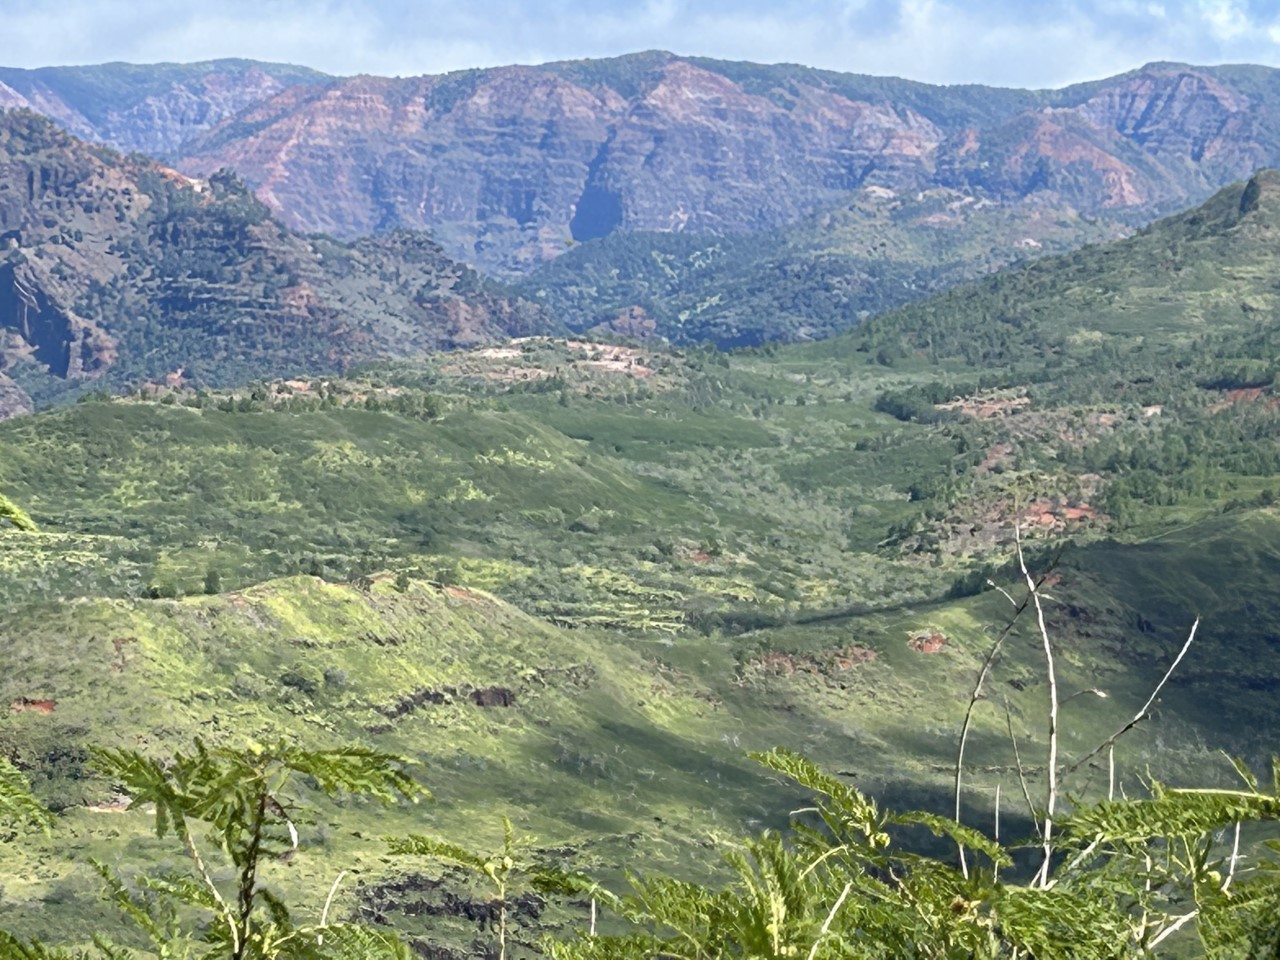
pixel 1025 43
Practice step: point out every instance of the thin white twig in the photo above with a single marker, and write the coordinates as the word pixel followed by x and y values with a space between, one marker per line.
pixel 1142 713
pixel 213 888
pixel 328 902
pixel 1022 776
pixel 974 697
pixel 1051 789
pixel 1005 593
pixel 1235 858
pixel 1173 928
pixel 1079 858
pixel 1111 773
pixel 826 924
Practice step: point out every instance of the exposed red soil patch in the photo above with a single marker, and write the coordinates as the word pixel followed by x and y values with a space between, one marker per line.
pixel 1245 395
pixel 927 641
pixel 27 705
pixel 462 593
pixel 1051 514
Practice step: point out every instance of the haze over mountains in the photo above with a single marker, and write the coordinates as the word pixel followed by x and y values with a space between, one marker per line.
pixel 698 199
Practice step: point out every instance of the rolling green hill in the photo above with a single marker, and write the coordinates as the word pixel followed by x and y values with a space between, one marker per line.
pixel 625 750
pixel 1186 279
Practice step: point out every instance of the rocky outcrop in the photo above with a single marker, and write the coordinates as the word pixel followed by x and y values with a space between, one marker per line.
pixel 151 109
pixel 123 270
pixel 14 401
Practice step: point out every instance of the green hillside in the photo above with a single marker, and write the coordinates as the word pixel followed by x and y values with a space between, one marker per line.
pixel 579 581
pixel 645 741
pixel 1200 274
pixel 807 281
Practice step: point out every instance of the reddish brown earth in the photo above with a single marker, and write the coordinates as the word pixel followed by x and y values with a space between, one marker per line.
pixel 931 641
pixel 27 705
pixel 509 166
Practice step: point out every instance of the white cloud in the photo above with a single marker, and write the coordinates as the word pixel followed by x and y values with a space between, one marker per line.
pixel 1228 21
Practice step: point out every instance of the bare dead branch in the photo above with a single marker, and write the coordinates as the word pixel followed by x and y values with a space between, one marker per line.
pixel 1142 713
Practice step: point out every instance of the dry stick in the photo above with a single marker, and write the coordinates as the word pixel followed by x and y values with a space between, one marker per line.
pixel 1235 858
pixel 1111 773
pixel 1142 714
pixel 1022 776
pixel 974 697
pixel 213 888
pixel 328 902
pixel 826 924
pixel 1051 790
pixel 1173 928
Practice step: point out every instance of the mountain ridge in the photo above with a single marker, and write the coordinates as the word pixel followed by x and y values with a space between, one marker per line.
pixel 511 165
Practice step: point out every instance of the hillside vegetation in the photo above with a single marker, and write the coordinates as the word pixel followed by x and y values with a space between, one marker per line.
pixel 574 582
pixel 114 270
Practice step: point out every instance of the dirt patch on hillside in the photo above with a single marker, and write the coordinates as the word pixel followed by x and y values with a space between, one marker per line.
pixel 1246 395
pixel 927 641
pixel 117 804
pixel 988 406
pixel 27 705
pixel 1057 514
pixel 777 664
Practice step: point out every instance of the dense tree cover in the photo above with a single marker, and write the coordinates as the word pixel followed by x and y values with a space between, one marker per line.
pixel 808 281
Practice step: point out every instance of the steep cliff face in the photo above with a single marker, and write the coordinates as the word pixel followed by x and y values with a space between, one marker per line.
pixel 121 270
pixel 152 109
pixel 509 167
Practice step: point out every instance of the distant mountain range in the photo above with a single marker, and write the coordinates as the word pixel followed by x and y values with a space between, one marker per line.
pixel 696 199
pixel 509 167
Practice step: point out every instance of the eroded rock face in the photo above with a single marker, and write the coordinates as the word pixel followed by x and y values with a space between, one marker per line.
pixel 121 269
pixel 508 167
pixel 149 109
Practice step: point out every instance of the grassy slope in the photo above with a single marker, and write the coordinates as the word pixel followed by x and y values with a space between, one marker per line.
pixel 626 748
pixel 757 485
pixel 1205 271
